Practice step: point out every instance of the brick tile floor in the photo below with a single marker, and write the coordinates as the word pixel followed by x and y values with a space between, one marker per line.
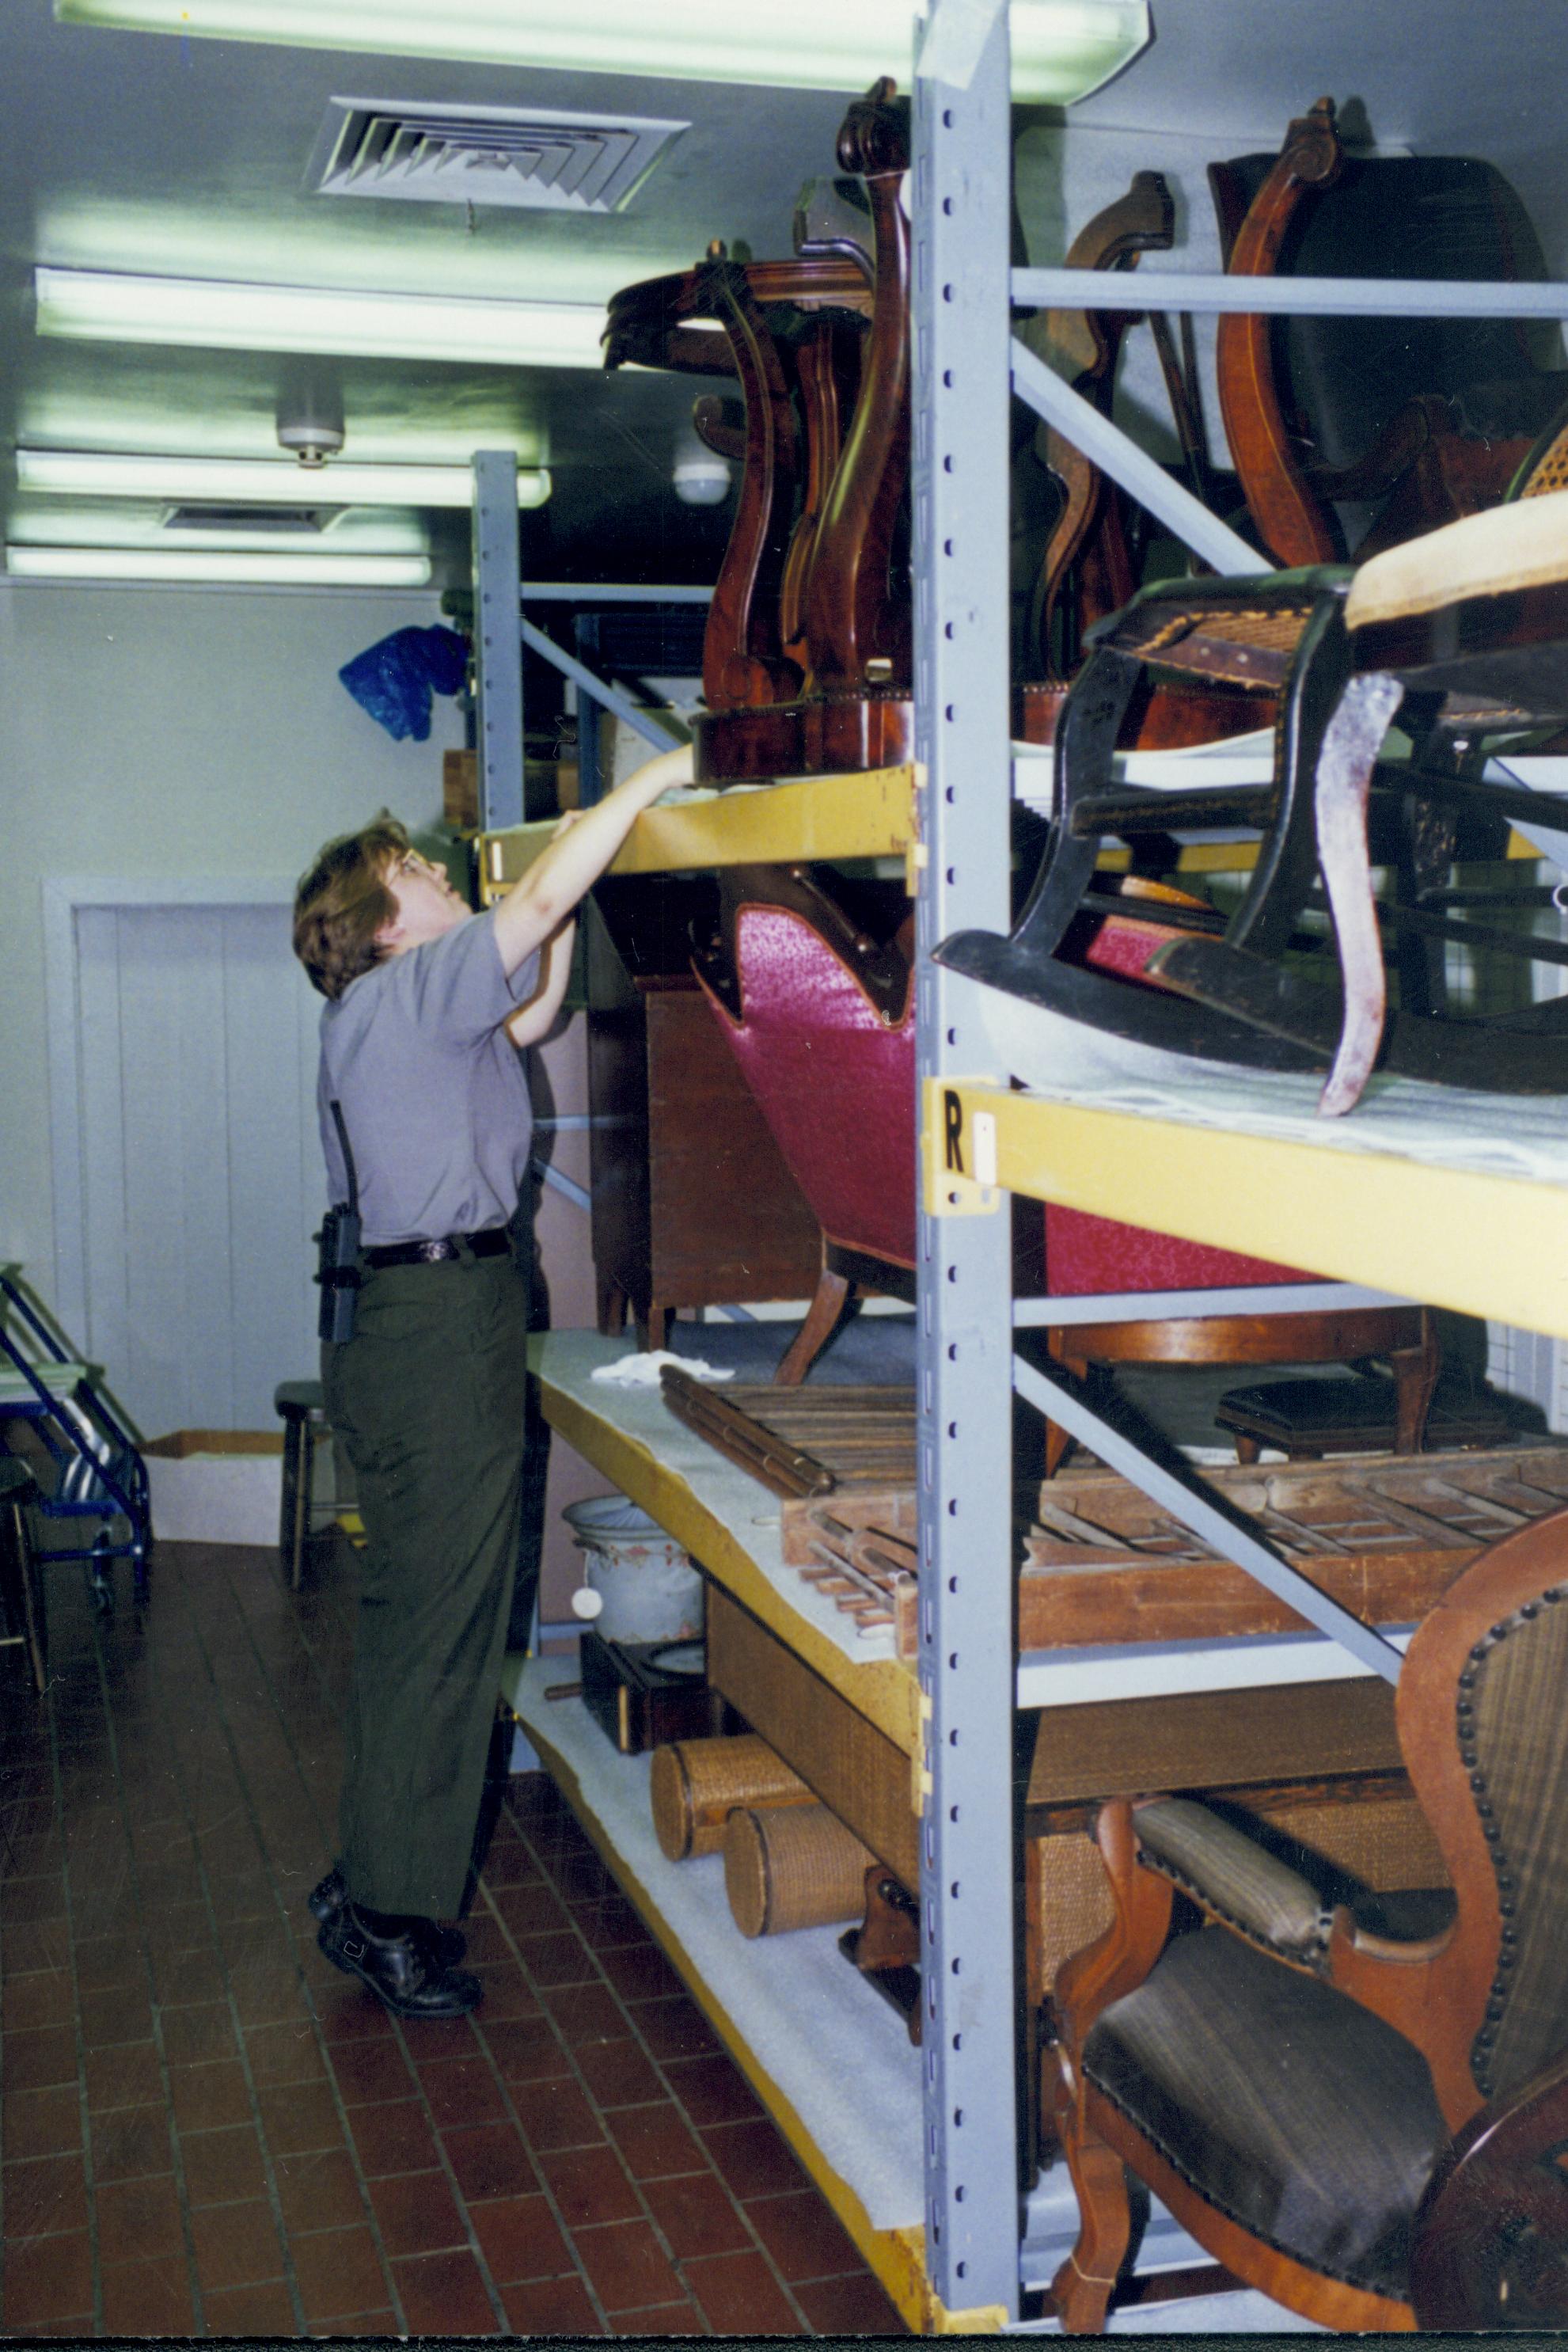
pixel 204 2129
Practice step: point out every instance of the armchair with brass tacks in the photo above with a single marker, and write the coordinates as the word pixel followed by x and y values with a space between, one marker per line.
pixel 1367 2130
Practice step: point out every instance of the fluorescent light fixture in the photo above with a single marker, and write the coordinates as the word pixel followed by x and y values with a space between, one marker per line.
pixel 268 570
pixel 108 308
pixel 110 474
pixel 145 522
pixel 1061 50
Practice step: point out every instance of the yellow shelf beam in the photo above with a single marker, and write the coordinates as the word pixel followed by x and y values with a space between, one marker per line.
pixel 1483 1244
pixel 825 817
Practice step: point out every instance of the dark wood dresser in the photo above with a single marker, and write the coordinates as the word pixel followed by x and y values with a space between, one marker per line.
pixel 692 1204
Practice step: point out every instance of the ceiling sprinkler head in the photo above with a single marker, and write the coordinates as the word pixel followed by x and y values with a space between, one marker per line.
pixel 310 413
pixel 311 441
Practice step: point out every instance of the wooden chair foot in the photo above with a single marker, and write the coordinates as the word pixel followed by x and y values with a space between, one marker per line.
pixel 1416 1373
pixel 1082 2287
pixel 830 1304
pixel 612 1309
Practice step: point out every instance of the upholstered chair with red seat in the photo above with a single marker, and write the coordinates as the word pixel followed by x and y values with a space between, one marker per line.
pixel 813 993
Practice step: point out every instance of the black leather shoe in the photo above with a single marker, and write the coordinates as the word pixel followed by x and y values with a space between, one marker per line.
pixel 326 1900
pixel 403 1971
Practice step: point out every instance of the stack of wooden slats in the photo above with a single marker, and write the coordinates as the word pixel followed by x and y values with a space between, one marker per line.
pixel 1385 1535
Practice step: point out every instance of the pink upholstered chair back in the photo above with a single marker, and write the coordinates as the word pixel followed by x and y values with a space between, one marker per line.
pixel 835 1080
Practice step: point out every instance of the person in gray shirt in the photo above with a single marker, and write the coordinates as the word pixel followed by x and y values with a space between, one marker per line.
pixel 427 1005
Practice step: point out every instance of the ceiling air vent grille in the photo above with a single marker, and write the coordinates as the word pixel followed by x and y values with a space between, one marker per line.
pixel 287 521
pixel 485 155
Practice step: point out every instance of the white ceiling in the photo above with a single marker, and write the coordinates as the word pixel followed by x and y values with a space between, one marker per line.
pixel 142 153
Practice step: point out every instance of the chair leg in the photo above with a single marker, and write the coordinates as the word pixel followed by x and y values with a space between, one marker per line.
pixel 1058 1443
pixel 298 1465
pixel 1349 754
pixel 830 1304
pixel 612 1309
pixel 1082 2287
pixel 32 1620
pixel 23 1594
pixel 1416 1373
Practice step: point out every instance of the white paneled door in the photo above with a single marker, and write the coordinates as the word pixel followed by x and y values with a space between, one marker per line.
pixel 188 1174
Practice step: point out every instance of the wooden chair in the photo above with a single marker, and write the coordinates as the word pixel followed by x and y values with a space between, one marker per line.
pixel 1331 2114
pixel 1083 563
pixel 1332 419
pixel 1464 635
pixel 814 999
pixel 818 1012
pixel 807 660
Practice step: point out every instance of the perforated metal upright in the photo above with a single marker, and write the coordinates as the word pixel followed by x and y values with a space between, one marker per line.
pixel 499 667
pixel 962 158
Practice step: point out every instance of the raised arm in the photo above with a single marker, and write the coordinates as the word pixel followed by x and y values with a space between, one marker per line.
pixel 537 905
pixel 536 1019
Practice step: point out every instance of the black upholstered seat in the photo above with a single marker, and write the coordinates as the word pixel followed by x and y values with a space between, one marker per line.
pixel 1289 2108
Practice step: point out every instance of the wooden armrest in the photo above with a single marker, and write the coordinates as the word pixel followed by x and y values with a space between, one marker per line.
pixel 1236 1881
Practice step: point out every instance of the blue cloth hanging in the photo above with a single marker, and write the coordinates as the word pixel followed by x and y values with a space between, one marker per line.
pixel 394 680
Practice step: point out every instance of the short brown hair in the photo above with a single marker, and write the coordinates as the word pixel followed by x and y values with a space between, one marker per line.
pixel 342 903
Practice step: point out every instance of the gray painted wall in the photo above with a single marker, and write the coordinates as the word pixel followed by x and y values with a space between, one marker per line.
pixel 163 734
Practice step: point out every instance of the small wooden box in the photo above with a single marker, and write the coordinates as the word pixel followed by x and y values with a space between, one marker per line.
pixel 640 1703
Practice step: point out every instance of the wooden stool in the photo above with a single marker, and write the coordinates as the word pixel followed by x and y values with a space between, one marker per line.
pixel 21 1593
pixel 303 1407
pixel 1406 1336
pixel 1307 1419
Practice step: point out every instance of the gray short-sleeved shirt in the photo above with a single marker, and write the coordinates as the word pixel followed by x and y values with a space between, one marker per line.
pixel 433 1092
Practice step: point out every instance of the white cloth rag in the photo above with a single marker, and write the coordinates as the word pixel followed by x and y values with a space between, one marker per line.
pixel 643 1372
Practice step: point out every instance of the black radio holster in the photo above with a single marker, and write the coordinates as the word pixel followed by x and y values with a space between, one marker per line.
pixel 337 1253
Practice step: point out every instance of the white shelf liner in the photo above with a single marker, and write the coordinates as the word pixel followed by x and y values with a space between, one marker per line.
pixel 835 2049
pixel 1520 1136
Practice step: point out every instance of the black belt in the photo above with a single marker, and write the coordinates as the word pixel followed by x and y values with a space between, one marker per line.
pixel 496 1241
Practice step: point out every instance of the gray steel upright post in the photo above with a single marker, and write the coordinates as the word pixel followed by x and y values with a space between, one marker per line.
pixel 960 210
pixel 498 643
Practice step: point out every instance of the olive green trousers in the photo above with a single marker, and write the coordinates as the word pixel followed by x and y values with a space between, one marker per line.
pixel 429 1397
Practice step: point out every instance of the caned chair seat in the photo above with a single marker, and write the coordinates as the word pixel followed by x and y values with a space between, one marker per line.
pixel 1290 2109
pixel 1496 554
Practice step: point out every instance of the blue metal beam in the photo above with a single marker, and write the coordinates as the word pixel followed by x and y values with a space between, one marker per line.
pixel 959 212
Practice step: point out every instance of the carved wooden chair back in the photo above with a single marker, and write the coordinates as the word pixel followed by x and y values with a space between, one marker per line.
pixel 1439 412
